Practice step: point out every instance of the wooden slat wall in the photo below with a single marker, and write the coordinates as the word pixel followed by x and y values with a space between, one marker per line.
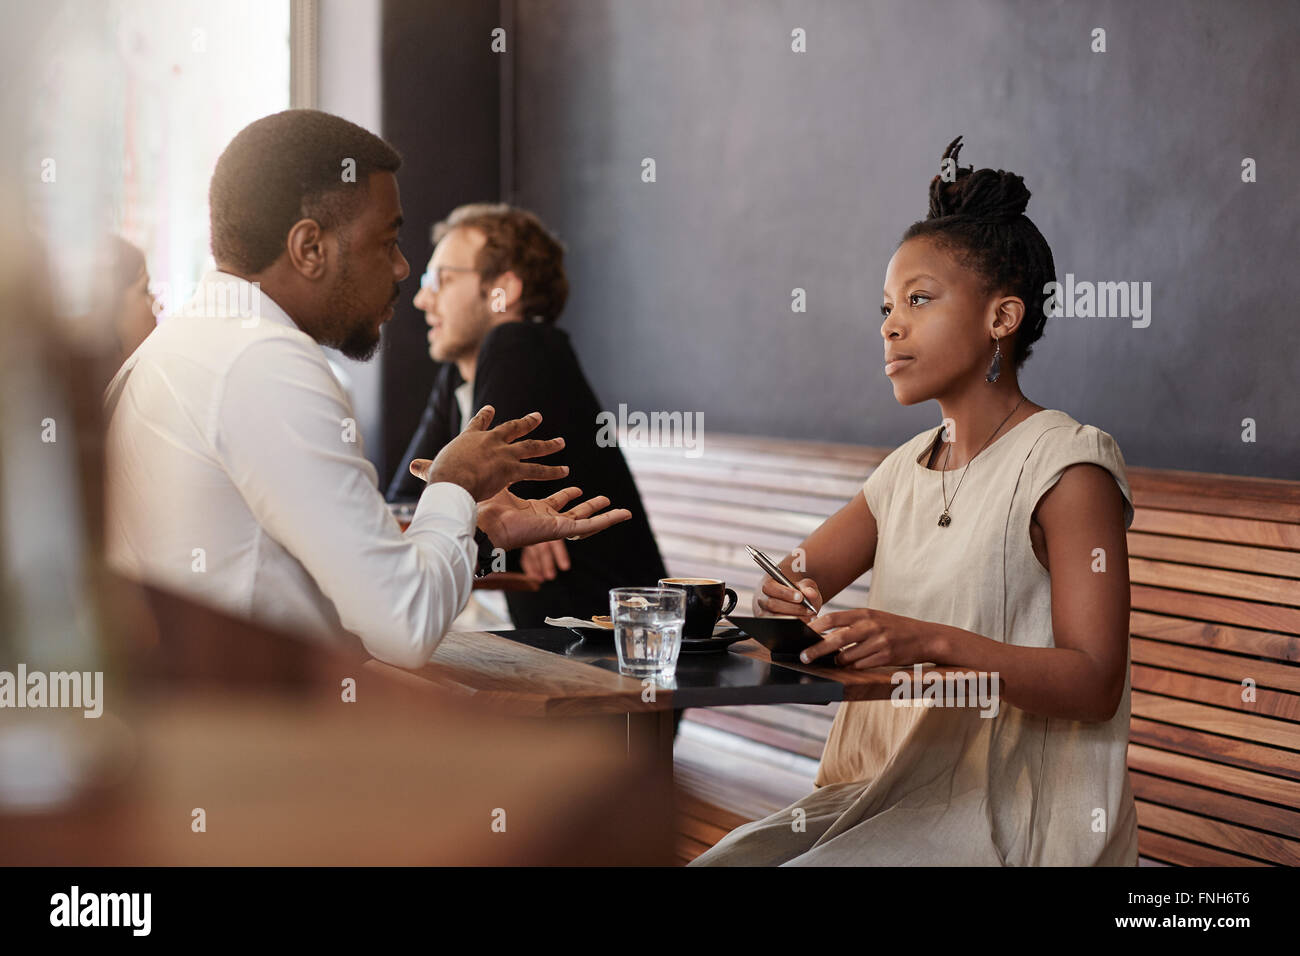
pixel 1215 567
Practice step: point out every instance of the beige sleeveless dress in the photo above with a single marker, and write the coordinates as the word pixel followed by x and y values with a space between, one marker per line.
pixel 904 786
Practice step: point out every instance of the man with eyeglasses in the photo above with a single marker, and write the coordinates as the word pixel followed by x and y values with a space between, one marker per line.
pixel 494 289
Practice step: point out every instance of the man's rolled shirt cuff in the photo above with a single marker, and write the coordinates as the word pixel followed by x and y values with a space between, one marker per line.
pixel 446 506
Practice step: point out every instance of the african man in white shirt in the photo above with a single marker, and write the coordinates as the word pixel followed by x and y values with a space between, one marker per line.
pixel 235 473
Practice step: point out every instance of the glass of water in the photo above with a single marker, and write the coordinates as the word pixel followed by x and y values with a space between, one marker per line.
pixel 648 630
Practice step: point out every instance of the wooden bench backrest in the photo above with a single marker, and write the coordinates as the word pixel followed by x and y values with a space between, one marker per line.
pixel 1215 570
pixel 1214 563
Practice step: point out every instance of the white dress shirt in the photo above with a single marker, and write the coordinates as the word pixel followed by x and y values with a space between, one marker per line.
pixel 464 396
pixel 236 475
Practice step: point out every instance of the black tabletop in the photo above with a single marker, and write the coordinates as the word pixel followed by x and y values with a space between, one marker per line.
pixel 703 680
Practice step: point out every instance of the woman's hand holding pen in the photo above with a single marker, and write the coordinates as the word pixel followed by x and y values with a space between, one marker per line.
pixel 777 599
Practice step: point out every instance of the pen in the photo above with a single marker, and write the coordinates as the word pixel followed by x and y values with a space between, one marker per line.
pixel 776 574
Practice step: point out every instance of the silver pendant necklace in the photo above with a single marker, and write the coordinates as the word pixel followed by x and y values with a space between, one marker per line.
pixel 945 519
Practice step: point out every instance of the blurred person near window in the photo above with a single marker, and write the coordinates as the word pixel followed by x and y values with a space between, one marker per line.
pixel 124 295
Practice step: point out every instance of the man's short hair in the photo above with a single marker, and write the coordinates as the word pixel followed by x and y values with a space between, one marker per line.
pixel 286 167
pixel 516 241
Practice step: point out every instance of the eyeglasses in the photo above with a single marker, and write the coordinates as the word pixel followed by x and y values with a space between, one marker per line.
pixel 432 278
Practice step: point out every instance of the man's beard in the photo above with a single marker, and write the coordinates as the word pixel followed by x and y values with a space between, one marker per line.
pixel 351 333
pixel 361 343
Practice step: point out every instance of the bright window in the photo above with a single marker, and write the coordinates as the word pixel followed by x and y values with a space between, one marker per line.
pixel 139 99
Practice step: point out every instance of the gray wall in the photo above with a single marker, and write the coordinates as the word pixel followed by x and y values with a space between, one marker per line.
pixel 778 170
pixel 349 86
pixel 442 109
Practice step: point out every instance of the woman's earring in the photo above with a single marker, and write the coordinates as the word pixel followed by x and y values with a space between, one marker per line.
pixel 995 367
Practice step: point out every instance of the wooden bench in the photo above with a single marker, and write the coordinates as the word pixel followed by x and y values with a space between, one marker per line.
pixel 1215 571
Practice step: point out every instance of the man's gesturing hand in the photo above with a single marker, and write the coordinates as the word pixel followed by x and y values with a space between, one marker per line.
pixel 512 522
pixel 544 560
pixel 484 460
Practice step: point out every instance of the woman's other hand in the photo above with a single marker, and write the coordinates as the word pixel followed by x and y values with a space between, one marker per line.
pixel 874 638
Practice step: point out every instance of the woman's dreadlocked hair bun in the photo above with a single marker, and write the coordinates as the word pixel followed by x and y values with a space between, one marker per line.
pixel 980 216
pixel 986 194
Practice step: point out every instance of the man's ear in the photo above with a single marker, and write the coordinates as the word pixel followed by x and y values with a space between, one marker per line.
pixel 504 292
pixel 306 247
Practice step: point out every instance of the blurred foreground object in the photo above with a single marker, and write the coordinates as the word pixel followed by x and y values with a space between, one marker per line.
pixel 51 619
pixel 255 730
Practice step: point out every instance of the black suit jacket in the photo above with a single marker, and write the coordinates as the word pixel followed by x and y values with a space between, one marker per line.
pixel 530 366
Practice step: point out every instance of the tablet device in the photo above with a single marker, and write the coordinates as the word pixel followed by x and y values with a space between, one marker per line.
pixel 784 637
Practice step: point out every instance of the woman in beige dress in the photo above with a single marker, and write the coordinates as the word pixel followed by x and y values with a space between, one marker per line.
pixel 996 543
